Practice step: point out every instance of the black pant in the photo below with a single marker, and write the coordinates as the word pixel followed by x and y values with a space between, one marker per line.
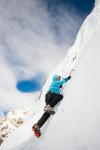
pixel 51 99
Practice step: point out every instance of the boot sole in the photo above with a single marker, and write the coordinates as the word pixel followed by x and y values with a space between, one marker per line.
pixel 36 132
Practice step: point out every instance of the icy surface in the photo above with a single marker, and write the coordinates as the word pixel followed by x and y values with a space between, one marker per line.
pixel 76 124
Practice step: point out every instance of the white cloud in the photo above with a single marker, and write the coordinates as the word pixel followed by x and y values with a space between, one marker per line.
pixel 28 45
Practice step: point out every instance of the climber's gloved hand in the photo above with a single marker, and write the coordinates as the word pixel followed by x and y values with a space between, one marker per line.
pixel 68 78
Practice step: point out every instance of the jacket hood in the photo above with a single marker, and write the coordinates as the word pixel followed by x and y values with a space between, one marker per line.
pixel 54 77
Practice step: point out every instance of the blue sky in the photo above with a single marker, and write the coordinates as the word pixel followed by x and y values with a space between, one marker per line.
pixel 83 7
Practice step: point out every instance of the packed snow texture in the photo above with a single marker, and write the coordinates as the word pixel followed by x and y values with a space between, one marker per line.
pixel 76 124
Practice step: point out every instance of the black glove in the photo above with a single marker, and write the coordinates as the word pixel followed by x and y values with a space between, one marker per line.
pixel 68 78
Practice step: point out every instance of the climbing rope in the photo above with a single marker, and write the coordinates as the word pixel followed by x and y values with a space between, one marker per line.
pixel 42 89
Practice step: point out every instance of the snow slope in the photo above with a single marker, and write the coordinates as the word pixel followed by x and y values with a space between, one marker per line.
pixel 76 124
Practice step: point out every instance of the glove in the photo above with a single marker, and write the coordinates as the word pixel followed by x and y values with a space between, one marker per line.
pixel 68 78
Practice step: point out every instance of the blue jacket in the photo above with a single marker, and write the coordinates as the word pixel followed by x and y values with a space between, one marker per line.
pixel 55 85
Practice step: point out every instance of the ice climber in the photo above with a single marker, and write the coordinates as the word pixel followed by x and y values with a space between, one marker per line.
pixel 52 97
